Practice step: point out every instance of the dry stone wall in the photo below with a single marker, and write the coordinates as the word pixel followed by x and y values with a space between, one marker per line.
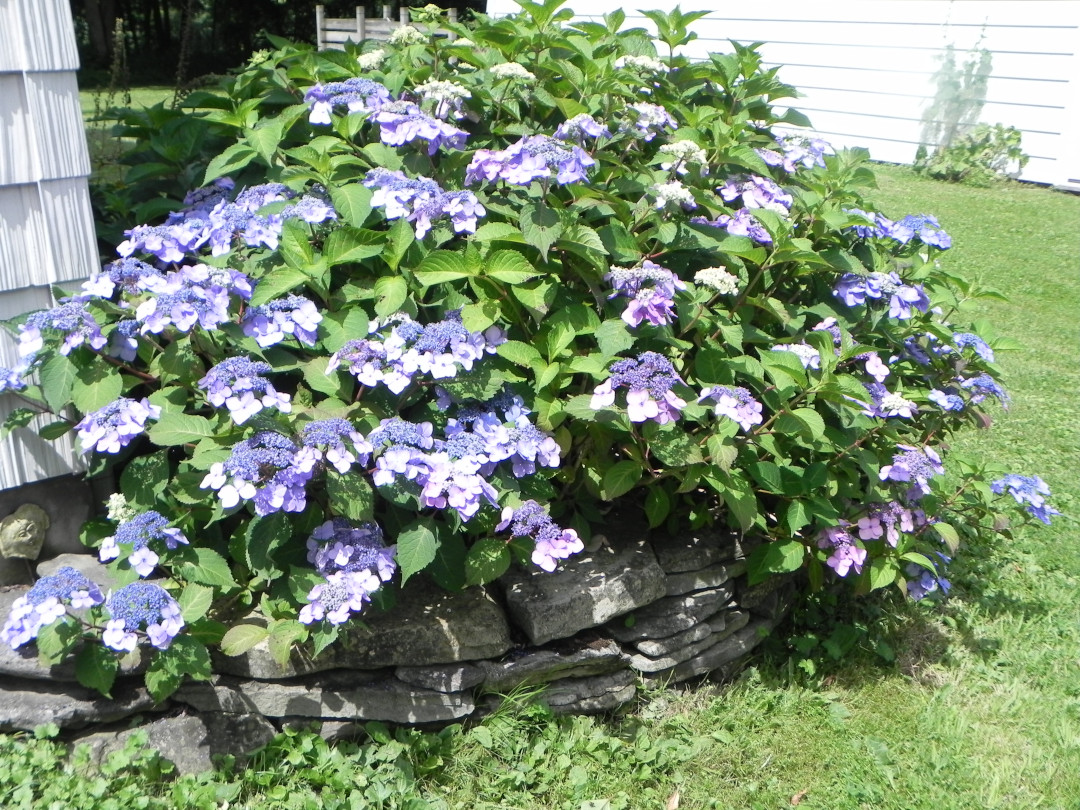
pixel 661 610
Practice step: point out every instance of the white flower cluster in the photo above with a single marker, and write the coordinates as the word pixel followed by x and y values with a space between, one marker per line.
pixel 463 42
pixel 646 64
pixel 406 35
pixel 119 510
pixel 718 279
pixel 443 91
pixel 682 152
pixel 371 60
pixel 513 71
pixel 673 193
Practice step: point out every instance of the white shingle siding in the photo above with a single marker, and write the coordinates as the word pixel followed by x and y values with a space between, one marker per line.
pixel 46 223
pixel 866 68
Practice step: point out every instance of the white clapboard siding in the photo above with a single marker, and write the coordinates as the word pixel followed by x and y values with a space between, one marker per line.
pixel 46 223
pixel 866 68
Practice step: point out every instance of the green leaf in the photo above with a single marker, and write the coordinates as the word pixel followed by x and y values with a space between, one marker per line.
pixel 797 516
pixel 56 640
pixel 541 226
pixel 352 201
pixel 96 667
pixel 675 448
pixel 949 536
pixel 509 267
pixel 350 495
pixel 206 567
pixel 486 561
pixel 195 601
pixel 276 283
pixel 54 430
pixel 657 506
pixel 440 267
pixel 180 428
pixel 776 557
pixel 235 157
pixel 295 246
pixel 347 245
pixel 619 479
pixel 883 572
pixel 805 421
pixel 95 386
pixel 767 474
pixel 265 137
pixel 742 503
pixel 712 367
pixel 284 633
pixel 416 547
pixel 613 337
pixel 185 656
pixel 242 637
pixel 401 237
pixel 264 536
pixel 518 353
pixel 57 377
pixel 21 417
pixel 497 231
pixel 391 292
pixel 145 478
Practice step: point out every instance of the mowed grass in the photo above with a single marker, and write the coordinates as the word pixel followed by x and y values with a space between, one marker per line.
pixel 981 708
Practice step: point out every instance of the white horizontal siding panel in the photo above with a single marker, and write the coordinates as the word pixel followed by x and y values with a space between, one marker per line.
pixel 18 141
pixel 48 33
pixel 69 217
pixel 53 102
pixel 24 250
pixel 25 457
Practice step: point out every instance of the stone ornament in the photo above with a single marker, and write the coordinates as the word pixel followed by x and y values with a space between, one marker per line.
pixel 22 533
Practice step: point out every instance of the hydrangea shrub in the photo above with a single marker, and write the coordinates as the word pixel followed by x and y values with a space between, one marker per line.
pixel 441 304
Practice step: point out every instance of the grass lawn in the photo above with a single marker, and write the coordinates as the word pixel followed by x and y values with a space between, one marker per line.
pixel 980 709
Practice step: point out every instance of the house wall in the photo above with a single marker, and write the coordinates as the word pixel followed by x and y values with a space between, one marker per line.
pixel 866 68
pixel 46 224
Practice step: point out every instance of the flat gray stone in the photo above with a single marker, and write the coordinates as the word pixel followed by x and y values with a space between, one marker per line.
pixel 23 662
pixel 427 626
pixel 574 658
pixel 87 564
pixel 670 615
pixel 328 697
pixel 585 591
pixel 190 742
pixel 694 550
pixel 27 704
pixel 648 665
pixel 721 654
pixel 709 577
pixel 443 677
pixel 601 693
pixel 658 648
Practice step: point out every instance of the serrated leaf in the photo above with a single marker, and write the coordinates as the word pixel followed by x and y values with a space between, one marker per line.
pixel 284 633
pixel 295 246
pixel 518 353
pixel 440 267
pixel 95 386
pixel 96 667
pixel 416 547
pixel 264 536
pixel 206 567
pixel 619 479
pixel 776 557
pixel 657 506
pixel 541 226
pixel 797 516
pixel 675 448
pixel 767 475
pixel 509 267
pixel 242 637
pixel 57 377
pixel 613 337
pixel 21 417
pixel 390 292
pixel 949 536
pixel 180 428
pixel 54 430
pixel 352 201
pixel 265 137
pixel 56 640
pixel 497 231
pixel 346 245
pixel 486 561
pixel 883 572
pixel 195 600
pixel 399 240
pixel 144 478
pixel 235 157
pixel 276 283
pixel 805 421
pixel 350 495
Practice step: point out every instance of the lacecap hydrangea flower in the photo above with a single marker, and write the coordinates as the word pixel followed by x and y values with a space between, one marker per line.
pixel 846 555
pixel 271 322
pixel 421 201
pixel 1030 490
pixel 137 533
pixel 46 602
pixel 651 290
pixel 913 465
pixel 113 427
pixel 756 192
pixel 552 543
pixel 736 403
pixel 267 469
pixel 354 561
pixel 648 379
pixel 534 157
pixel 401 122
pixel 238 384
pixel 141 607
pixel 71 319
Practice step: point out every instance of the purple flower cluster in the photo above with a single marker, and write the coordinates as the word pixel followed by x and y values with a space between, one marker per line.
pixel 877 227
pixel 421 200
pixel 129 275
pixel 113 427
pixel 646 121
pixel 124 340
pixel 915 466
pixel 552 543
pixel 648 379
pixel 983 386
pixel 796 151
pixel 141 606
pixel 735 403
pixel 923 226
pixel 854 289
pixel 888 520
pixel 138 533
pixel 194 294
pixel 216 222
pixel 968 340
pixel 71 319
pixel 947 400
pixel 577 128
pixel 267 469
pixel 11 379
pixel 845 553
pixel 756 192
pixel 741 223
pixel 1031 490
pixel 355 562
pixel 238 384
pixel 532 158
pixel 401 122
pixel 922 582
pixel 884 403
pixel 651 289
pixel 402 348
pixel 337 442
pixel 47 601
pixel 355 94
pixel 295 315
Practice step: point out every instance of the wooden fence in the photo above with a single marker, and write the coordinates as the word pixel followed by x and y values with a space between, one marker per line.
pixel 334 32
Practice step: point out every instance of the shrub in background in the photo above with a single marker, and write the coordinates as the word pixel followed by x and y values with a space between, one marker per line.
pixel 440 305
pixel 980 157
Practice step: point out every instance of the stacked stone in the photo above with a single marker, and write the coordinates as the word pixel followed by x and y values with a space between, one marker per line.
pixel 628 610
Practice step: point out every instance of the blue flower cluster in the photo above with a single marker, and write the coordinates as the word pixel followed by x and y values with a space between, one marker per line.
pixel 923 582
pixel 137 533
pixel 194 294
pixel 756 192
pixel 888 520
pixel 915 466
pixel 238 384
pixel 734 402
pixel 1030 490
pixel 648 379
pixel 796 151
pixel 47 601
pixel 268 469
pixel 854 289
pixel 354 561
pixel 401 122
pixel 401 348
pixel 141 606
pixel 337 442
pixel 651 290
pixel 421 201
pixel 552 543
pixel 70 318
pixel 646 121
pixel 113 427
pixel 741 223
pixel 922 226
pixel 355 94
pixel 294 315
pixel 534 157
